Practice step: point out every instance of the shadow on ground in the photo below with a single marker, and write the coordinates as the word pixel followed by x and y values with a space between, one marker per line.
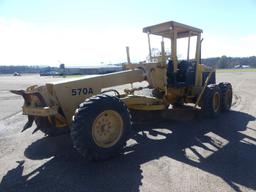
pixel 233 161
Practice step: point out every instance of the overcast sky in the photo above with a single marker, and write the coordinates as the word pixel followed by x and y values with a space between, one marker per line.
pixel 80 32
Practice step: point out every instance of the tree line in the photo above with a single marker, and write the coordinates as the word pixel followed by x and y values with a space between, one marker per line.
pixel 223 62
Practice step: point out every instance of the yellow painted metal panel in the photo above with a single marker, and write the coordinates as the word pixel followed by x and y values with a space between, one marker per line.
pixel 71 93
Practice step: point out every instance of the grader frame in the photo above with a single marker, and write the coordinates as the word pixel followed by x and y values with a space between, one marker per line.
pixel 95 118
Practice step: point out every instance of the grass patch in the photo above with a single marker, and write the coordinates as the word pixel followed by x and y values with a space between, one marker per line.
pixel 73 76
pixel 78 76
pixel 235 70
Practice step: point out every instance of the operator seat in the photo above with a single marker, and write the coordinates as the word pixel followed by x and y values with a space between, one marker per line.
pixel 171 79
pixel 176 79
pixel 182 70
pixel 185 75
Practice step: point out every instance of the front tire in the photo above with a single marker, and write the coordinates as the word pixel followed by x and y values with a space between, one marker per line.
pixel 100 127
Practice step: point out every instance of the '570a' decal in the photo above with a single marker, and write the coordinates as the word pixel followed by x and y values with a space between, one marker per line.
pixel 81 91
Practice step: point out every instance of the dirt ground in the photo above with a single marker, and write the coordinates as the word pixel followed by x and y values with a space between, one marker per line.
pixel 185 153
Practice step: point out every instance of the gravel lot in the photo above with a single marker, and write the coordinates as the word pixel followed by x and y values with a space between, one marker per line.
pixel 184 152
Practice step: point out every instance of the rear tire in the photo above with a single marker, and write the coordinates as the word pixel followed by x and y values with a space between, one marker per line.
pixel 211 100
pixel 226 96
pixel 101 126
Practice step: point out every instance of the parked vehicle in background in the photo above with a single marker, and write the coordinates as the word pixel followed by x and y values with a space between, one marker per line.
pixel 16 74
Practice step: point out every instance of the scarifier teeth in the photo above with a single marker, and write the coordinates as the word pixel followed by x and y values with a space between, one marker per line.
pixel 25 127
pixel 35 130
pixel 28 124
pixel 18 92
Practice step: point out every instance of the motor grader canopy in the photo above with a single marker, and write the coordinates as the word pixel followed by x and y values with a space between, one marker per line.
pixel 166 30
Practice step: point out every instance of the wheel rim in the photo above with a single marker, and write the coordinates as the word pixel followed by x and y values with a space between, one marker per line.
pixel 216 102
pixel 107 128
pixel 228 98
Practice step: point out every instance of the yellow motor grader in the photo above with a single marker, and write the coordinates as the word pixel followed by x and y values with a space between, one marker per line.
pixel 99 121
